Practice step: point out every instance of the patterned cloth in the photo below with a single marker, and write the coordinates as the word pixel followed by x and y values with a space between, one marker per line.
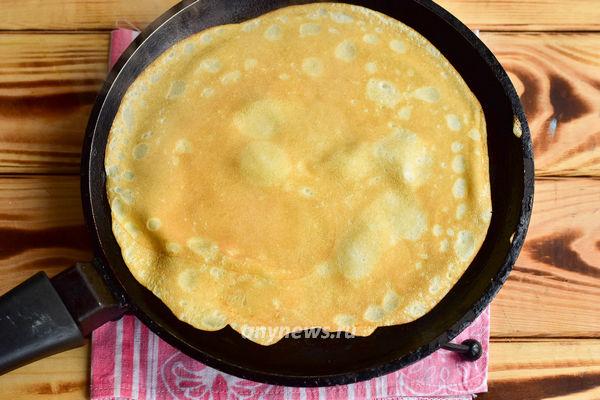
pixel 130 362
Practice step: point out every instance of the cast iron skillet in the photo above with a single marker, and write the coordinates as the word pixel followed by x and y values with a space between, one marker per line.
pixel 42 316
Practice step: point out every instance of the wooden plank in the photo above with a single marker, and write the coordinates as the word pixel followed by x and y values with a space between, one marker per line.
pixel 48 83
pixel 526 369
pixel 41 227
pixel 64 376
pixel 535 370
pixel 492 15
pixel 526 15
pixel 554 290
pixel 558 79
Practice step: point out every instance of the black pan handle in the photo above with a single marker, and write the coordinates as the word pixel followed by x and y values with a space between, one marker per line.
pixel 43 316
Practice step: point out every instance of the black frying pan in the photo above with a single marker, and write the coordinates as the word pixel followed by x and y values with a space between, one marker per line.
pixel 41 316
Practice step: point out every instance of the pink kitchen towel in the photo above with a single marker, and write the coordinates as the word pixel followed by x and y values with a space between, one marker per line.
pixel 130 362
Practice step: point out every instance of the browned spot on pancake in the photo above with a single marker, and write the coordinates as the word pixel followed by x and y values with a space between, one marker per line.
pixel 556 250
pixel 541 388
pixel 16 241
pixel 55 104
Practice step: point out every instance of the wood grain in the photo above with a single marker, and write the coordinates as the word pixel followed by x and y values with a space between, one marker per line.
pixel 492 14
pixel 48 83
pixel 544 369
pixel 554 290
pixel 64 376
pixel 558 79
pixel 519 369
pixel 41 227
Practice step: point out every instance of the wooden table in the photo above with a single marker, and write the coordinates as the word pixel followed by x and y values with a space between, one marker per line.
pixel 545 321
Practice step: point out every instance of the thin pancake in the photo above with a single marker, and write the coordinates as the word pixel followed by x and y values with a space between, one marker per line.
pixel 320 166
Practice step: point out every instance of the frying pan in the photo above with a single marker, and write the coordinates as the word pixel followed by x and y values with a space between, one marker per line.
pixel 43 316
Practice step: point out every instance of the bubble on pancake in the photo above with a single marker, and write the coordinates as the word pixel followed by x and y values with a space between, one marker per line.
pixel 208 92
pixel 398 46
pixel 437 230
pixel 140 151
pixel 371 67
pixel 177 88
pixel 453 122
pixel 261 119
pixel 206 38
pixel 129 175
pixel 172 247
pixel 340 17
pixel 434 285
pixel 147 135
pixel 323 269
pixel 250 26
pixel 265 164
pixel 353 164
pixel 231 77
pixel 374 313
pixel 273 33
pixel 346 50
pixel 415 309
pixel 393 216
pixel 390 301
pixel 486 216
pixel 427 94
pixel 475 135
pixel 153 224
pixel 464 246
pixel 318 13
pixel 461 210
pixel 457 147
pixel 112 171
pixel 358 254
pixel 306 192
pixel 213 320
pixel 370 38
pixel 450 232
pixel 132 229
pixel 310 29
pixel 188 279
pixel 444 245
pixel 117 208
pixel 383 92
pixel 404 113
pixel 216 272
pixel 459 189
pixel 458 164
pixel 405 155
pixel 284 76
pixel 344 320
pixel 211 65
pixel 250 63
pixel 313 66
pixel 183 146
pixel 203 247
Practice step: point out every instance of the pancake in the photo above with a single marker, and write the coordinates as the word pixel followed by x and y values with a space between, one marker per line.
pixel 320 166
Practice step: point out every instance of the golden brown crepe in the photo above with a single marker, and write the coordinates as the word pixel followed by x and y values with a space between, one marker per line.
pixel 320 166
